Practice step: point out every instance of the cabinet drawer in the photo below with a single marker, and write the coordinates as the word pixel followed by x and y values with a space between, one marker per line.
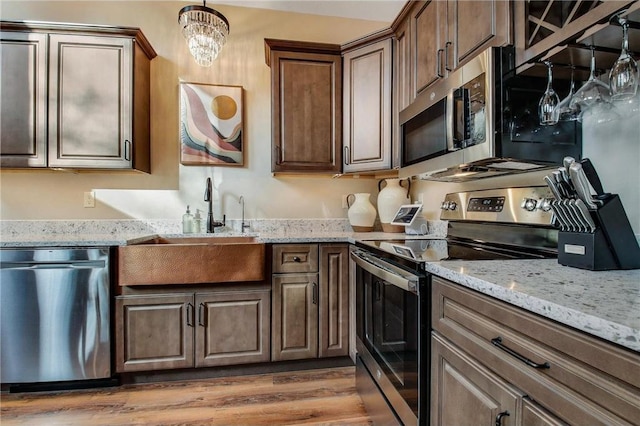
pixel 295 258
pixel 586 379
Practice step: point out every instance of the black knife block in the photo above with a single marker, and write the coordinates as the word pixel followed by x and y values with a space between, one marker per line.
pixel 612 246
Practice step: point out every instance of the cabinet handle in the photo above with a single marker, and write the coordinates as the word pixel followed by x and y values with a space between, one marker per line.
pixel 202 321
pixel 314 296
pixel 500 416
pixel 498 343
pixel 446 56
pixel 278 154
pixel 296 259
pixel 127 150
pixel 189 314
pixel 347 160
pixel 377 291
pixel 439 62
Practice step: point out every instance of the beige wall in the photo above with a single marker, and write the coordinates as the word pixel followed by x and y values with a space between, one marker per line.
pixel 170 187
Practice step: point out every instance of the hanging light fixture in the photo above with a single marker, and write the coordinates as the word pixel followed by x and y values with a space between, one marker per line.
pixel 206 31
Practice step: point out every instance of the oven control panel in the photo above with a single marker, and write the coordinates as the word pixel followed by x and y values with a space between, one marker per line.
pixel 508 205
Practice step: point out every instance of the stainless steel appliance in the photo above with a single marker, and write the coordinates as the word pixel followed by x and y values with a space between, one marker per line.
pixel 55 315
pixel 483 110
pixel 393 290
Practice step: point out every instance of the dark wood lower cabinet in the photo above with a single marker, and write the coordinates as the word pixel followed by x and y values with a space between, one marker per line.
pixel 489 357
pixel 154 332
pixel 310 310
pixel 169 331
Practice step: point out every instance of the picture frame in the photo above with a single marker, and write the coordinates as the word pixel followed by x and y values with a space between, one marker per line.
pixel 211 125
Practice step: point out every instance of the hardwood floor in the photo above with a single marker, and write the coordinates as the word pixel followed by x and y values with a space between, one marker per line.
pixel 326 396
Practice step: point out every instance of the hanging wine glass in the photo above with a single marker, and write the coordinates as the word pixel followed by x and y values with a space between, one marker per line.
pixel 564 111
pixel 624 76
pixel 548 102
pixel 593 91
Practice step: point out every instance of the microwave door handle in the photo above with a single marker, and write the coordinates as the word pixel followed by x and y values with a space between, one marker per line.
pixel 385 273
pixel 461 107
pixel 450 117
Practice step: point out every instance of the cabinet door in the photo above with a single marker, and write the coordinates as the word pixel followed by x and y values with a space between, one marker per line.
pixel 367 108
pixel 306 91
pixel 295 316
pixel 90 98
pixel 475 25
pixel 233 327
pixel 23 137
pixel 403 92
pixel 465 393
pixel 154 332
pixel 428 28
pixel 334 300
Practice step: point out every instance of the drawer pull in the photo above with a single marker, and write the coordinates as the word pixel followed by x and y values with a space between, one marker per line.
pixel 500 416
pixel 296 259
pixel 498 342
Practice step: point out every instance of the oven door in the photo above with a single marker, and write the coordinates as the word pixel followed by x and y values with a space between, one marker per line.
pixel 389 322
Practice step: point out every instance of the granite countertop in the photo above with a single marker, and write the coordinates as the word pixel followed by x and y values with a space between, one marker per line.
pixel 605 304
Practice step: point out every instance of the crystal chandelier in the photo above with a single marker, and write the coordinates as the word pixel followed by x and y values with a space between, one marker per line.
pixel 205 30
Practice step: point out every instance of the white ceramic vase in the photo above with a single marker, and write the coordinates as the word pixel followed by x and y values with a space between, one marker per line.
pixel 361 213
pixel 390 198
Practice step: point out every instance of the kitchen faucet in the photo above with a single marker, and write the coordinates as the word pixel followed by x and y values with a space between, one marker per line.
pixel 208 197
pixel 243 225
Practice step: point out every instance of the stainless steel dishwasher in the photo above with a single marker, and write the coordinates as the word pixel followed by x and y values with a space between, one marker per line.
pixel 54 315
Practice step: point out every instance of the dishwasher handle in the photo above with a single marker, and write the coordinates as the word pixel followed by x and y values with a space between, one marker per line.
pixel 89 264
pixel 386 271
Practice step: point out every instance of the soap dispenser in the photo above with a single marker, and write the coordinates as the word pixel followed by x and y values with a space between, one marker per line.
pixel 197 222
pixel 187 222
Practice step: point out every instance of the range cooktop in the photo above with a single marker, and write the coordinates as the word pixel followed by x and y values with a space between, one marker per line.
pixel 434 250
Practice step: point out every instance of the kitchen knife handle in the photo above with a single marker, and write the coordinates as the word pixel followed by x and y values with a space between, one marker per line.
pixel 581 185
pixel 592 176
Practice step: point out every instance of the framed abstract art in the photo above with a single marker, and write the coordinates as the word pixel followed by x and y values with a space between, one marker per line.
pixel 211 125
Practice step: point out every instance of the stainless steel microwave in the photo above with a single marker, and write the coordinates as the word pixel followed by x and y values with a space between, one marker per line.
pixel 451 122
pixel 482 110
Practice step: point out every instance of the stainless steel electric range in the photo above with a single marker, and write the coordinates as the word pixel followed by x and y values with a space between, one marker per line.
pixel 393 295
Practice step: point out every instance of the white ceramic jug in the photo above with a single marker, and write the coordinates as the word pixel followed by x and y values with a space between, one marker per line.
pixel 362 214
pixel 390 198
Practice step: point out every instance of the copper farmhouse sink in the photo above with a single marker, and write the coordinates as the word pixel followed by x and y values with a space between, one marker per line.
pixel 191 260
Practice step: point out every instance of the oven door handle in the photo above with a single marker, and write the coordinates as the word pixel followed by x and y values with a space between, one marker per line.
pixel 385 271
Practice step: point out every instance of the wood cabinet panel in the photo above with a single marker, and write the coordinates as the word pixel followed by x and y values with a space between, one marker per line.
pixel 23 128
pixel 334 301
pixel 475 25
pixel 154 332
pixel 463 392
pixel 90 84
pixel 367 107
pixel 428 26
pixel 233 328
pixel 295 317
pixel 306 106
pixel 535 415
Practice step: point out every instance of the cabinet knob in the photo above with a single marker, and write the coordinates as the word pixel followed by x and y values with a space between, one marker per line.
pixel 296 259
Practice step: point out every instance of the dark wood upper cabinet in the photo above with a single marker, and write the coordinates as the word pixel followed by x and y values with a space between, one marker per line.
pixel 367 106
pixel 81 97
pixel 306 106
